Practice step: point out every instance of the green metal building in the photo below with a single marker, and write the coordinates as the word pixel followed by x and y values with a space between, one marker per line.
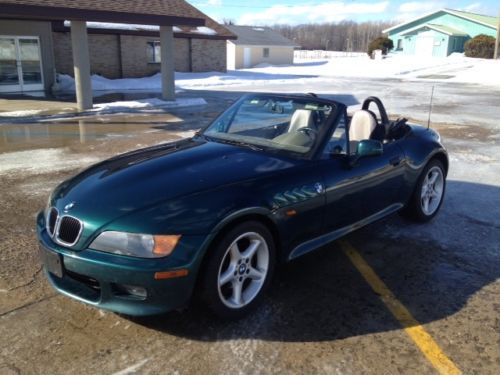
pixel 440 33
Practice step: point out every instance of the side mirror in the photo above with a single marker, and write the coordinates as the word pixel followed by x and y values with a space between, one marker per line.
pixel 366 147
pixel 369 147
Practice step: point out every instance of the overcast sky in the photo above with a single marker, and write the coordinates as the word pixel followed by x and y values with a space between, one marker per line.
pixel 265 12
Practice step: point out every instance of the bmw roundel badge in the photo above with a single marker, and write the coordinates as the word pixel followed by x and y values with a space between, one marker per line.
pixel 69 206
pixel 319 187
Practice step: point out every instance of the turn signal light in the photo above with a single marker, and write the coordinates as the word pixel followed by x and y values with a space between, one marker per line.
pixel 171 274
pixel 164 245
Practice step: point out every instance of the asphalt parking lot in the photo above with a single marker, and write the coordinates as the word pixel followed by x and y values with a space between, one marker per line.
pixel 325 312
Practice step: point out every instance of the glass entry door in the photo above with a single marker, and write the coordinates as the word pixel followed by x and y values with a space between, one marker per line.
pixel 20 64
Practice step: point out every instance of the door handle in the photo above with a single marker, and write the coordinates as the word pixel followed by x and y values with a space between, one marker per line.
pixel 395 160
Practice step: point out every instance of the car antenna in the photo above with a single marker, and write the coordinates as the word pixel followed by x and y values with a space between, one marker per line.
pixel 430 108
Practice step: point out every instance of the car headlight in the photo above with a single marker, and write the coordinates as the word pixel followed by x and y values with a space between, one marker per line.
pixel 136 245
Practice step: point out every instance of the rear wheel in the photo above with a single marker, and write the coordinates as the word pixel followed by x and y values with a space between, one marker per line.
pixel 429 193
pixel 239 270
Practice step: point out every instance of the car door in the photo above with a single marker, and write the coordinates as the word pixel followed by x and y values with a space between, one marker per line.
pixel 369 188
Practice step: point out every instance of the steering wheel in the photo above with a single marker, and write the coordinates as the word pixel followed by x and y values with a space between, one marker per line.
pixel 310 132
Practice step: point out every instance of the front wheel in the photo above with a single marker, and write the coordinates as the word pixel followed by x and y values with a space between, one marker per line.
pixel 239 270
pixel 429 193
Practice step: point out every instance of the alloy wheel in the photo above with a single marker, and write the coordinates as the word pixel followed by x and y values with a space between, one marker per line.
pixel 432 191
pixel 243 270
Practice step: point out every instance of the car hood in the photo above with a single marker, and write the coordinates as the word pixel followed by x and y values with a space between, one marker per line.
pixel 148 177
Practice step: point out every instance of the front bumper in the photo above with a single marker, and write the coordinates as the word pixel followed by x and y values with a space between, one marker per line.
pixel 97 278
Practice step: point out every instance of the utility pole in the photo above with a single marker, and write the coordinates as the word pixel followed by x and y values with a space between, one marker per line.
pixel 497 41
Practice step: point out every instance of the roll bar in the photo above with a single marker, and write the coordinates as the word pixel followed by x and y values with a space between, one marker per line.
pixel 381 109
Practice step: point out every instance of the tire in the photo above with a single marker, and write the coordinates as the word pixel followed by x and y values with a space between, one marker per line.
pixel 239 270
pixel 429 193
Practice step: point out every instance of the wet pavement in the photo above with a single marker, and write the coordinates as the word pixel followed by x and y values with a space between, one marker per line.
pixel 321 316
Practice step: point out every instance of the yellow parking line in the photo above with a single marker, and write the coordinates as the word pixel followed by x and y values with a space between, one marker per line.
pixel 418 334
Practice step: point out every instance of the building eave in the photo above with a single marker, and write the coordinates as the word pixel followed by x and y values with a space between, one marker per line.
pixel 58 26
pixel 433 27
pixel 239 44
pixel 40 12
pixel 411 21
pixel 449 11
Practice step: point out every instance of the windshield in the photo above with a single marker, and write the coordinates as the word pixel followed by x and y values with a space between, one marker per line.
pixel 279 123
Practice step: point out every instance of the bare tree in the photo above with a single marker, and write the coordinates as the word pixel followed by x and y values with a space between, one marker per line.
pixel 340 36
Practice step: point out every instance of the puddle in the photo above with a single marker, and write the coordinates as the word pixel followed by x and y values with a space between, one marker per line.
pixel 87 131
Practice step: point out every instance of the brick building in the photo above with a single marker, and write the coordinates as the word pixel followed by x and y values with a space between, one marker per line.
pixel 33 48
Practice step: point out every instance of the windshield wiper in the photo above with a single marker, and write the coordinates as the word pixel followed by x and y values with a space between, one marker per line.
pixel 237 143
pixel 246 144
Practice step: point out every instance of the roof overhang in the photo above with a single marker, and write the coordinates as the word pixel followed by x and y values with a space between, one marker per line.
pixel 449 11
pixel 240 44
pixel 40 12
pixel 435 28
pixel 59 26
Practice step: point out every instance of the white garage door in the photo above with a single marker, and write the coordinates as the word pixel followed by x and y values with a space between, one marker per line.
pixel 424 45
pixel 247 58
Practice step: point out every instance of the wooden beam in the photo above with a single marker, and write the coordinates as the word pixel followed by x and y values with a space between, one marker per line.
pixel 167 62
pixel 81 61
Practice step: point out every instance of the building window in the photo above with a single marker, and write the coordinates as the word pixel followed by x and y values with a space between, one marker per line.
pixel 400 44
pixel 153 52
pixel 265 52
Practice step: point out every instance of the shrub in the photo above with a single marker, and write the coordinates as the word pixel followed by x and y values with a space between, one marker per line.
pixel 383 43
pixel 482 46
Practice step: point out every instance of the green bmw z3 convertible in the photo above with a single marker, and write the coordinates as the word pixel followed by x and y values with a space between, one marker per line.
pixel 272 178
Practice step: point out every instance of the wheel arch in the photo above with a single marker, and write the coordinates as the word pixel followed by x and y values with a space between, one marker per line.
pixel 259 215
pixel 443 158
pixel 440 156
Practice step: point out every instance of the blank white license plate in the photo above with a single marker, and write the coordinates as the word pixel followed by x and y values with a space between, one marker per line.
pixel 52 261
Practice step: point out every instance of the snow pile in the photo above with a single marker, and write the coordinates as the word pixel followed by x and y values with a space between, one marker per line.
pixel 23 113
pixel 209 80
pixel 320 54
pixel 148 104
pixel 186 81
pixel 153 83
pixel 122 106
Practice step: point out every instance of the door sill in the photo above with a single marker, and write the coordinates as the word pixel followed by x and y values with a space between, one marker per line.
pixel 325 239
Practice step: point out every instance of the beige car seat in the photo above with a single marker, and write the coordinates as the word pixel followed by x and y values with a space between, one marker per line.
pixel 362 126
pixel 301 118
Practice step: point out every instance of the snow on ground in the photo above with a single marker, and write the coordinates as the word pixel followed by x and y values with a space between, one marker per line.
pixel 455 68
pixel 206 80
pixel 148 104
pixel 23 113
pixel 41 161
pixel 121 106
